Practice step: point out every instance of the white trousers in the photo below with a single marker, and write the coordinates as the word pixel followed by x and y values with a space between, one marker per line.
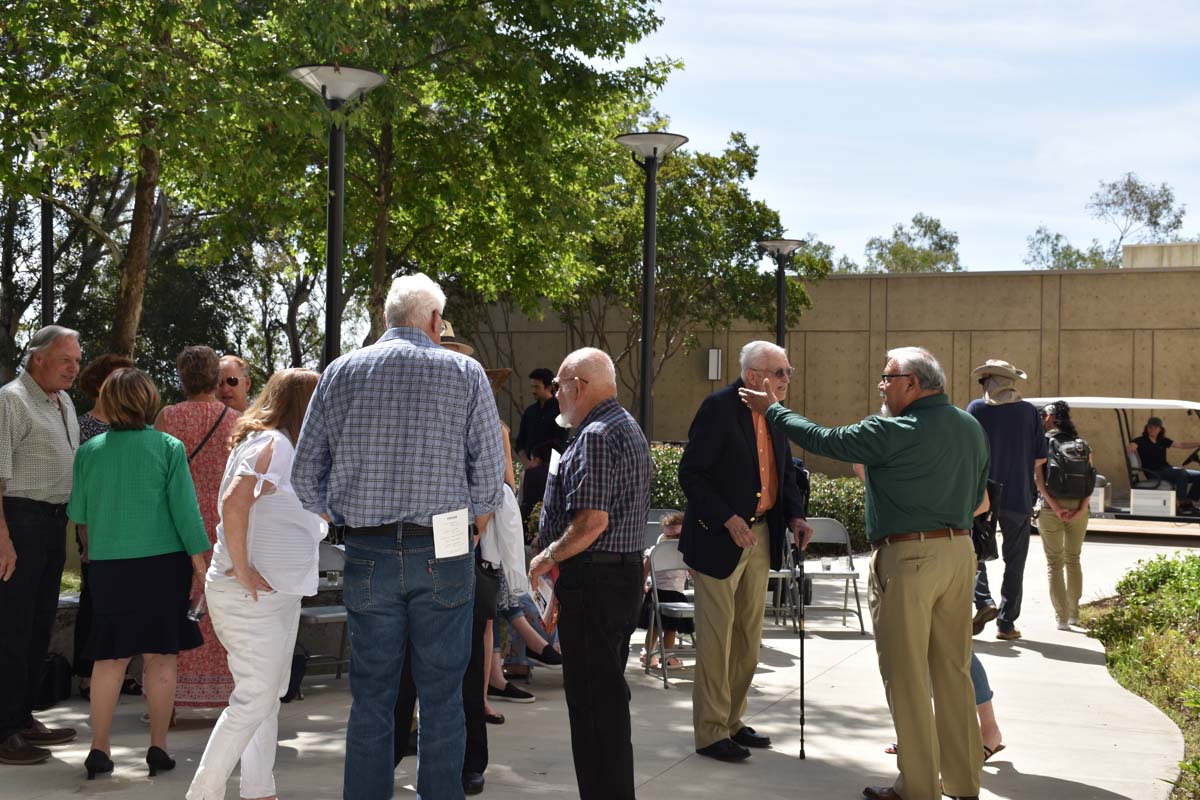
pixel 259 637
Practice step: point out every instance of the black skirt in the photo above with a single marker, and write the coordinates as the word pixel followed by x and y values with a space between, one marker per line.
pixel 140 605
pixel 677 624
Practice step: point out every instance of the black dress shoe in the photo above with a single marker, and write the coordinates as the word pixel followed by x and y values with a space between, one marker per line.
pixel 725 750
pixel 39 734
pixel 158 761
pixel 748 737
pixel 97 763
pixel 15 750
pixel 472 782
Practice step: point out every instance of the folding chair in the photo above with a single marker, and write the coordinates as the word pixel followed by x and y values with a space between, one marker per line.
pixel 830 531
pixel 329 559
pixel 666 556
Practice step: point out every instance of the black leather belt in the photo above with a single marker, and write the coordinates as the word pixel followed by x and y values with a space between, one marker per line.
pixel 606 557
pixel 388 529
pixel 39 506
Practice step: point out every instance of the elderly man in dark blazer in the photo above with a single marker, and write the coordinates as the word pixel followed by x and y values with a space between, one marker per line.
pixel 742 497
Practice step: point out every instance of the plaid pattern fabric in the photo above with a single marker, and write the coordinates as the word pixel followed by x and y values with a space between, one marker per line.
pixel 607 467
pixel 397 432
pixel 38 439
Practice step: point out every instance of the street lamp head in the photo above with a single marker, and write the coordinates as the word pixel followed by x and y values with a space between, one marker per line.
pixel 652 144
pixel 781 247
pixel 337 84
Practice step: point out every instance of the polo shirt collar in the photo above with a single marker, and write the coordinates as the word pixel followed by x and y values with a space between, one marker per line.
pixel 939 399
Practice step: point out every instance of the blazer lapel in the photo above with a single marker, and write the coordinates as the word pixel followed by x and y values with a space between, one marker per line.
pixel 745 419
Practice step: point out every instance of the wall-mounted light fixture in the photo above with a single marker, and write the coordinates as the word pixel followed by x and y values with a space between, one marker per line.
pixel 715 372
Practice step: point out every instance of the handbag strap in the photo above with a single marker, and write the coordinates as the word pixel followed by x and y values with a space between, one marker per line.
pixel 208 435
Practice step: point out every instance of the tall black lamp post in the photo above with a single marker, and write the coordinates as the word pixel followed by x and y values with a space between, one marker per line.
pixel 337 86
pixel 653 147
pixel 781 251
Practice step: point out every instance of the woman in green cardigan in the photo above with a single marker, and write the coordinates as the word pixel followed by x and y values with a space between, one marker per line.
pixel 133 490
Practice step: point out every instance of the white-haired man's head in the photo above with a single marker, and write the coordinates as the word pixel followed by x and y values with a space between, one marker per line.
pixel 586 378
pixel 765 363
pixel 413 301
pixel 910 373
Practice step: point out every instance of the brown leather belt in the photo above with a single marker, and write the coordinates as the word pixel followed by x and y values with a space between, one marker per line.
pixel 940 533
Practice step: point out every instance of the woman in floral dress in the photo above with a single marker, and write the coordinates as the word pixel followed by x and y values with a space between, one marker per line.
pixel 204 425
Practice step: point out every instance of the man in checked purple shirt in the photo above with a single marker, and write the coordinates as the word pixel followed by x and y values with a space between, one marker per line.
pixel 593 514
pixel 396 433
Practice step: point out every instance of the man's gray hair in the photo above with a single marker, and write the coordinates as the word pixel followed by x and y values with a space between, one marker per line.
pixel 755 352
pixel 412 301
pixel 44 339
pixel 921 364
pixel 593 365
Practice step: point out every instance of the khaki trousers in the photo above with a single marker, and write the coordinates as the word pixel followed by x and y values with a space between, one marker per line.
pixel 729 620
pixel 921 605
pixel 1063 542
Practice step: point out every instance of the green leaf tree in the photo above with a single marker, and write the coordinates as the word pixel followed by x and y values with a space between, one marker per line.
pixel 928 246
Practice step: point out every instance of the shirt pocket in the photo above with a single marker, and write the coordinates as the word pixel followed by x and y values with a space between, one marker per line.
pixel 453 580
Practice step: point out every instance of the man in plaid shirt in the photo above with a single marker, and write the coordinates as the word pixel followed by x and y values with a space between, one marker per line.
pixel 396 433
pixel 593 515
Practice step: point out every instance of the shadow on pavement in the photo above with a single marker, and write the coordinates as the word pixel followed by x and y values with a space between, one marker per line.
pixel 1008 782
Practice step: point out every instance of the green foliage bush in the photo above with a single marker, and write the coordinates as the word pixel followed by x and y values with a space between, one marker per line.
pixel 843 499
pixel 1151 634
pixel 665 491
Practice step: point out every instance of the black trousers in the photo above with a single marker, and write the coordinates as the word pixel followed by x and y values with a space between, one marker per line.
pixel 598 610
pixel 475 759
pixel 28 604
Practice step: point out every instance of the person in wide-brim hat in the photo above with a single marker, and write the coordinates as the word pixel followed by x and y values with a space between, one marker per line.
pixel 995 366
pixel 451 342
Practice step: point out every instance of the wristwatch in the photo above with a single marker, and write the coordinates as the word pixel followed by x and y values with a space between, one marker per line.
pixel 549 553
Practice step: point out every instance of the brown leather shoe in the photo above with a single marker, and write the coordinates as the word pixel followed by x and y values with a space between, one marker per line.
pixel 40 734
pixel 881 793
pixel 15 750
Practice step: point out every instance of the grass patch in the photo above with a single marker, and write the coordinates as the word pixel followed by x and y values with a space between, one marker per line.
pixel 71 580
pixel 1151 635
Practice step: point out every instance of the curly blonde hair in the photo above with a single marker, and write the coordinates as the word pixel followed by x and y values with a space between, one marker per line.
pixel 280 406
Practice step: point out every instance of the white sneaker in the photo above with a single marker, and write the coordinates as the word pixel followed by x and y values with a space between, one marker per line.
pixel 1073 621
pixel 1063 626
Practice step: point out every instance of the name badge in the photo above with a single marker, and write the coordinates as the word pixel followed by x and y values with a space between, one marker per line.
pixel 555 457
pixel 450 535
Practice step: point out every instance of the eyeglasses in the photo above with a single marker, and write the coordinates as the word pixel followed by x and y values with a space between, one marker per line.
pixel 556 384
pixel 885 377
pixel 983 379
pixel 232 381
pixel 780 373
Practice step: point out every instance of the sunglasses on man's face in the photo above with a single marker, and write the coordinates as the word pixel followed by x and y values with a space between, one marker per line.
pixel 232 381
pixel 781 372
pixel 556 384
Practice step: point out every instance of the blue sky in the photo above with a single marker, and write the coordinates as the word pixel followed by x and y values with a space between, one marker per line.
pixel 993 117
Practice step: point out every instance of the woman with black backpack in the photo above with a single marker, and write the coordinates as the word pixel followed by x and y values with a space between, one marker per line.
pixel 1065 487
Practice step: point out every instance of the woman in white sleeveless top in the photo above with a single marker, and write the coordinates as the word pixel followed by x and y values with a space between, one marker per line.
pixel 264 562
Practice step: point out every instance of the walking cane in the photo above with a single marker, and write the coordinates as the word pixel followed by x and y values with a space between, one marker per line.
pixel 799 559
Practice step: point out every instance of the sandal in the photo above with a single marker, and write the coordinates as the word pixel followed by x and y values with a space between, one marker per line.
pixel 674 663
pixel 893 748
pixel 988 752
pixel 493 719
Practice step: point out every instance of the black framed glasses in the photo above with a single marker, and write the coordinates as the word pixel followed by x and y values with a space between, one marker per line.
pixel 885 377
pixel 556 384
pixel 232 381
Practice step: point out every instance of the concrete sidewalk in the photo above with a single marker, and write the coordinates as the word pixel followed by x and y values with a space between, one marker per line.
pixel 1071 732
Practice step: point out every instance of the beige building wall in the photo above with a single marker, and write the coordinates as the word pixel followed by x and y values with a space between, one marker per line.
pixel 1118 333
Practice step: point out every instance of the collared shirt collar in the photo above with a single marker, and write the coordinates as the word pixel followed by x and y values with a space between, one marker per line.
pixel 939 399
pixel 602 408
pixel 409 334
pixel 36 389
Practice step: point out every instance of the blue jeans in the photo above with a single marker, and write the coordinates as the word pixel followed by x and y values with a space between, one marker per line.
pixel 516 645
pixel 1014 549
pixel 979 680
pixel 1187 481
pixel 396 592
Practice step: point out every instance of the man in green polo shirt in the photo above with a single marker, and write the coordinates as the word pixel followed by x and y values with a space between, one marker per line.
pixel 926 473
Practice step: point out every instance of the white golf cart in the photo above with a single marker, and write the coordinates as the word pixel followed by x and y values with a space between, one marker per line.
pixel 1138 478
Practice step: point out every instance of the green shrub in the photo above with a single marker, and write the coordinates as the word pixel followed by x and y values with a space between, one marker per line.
pixel 843 499
pixel 665 491
pixel 1151 635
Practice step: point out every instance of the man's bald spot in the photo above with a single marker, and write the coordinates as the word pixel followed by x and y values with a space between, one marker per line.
pixel 595 367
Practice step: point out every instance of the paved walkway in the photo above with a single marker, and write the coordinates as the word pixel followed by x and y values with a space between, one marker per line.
pixel 1071 732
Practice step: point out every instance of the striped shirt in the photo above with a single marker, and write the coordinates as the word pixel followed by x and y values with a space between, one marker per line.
pixel 397 432
pixel 606 467
pixel 38 439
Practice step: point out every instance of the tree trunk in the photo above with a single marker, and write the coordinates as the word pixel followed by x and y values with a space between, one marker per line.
pixel 296 298
pixel 379 238
pixel 136 265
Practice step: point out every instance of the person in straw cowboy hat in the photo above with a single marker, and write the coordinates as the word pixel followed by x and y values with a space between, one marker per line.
pixel 1018 449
